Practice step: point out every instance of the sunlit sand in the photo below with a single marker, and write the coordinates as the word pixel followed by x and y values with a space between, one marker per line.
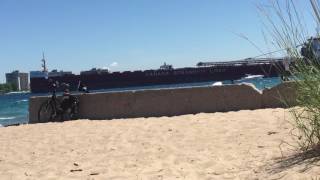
pixel 233 145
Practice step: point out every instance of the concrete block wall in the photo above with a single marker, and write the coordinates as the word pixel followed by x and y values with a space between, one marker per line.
pixel 282 95
pixel 172 102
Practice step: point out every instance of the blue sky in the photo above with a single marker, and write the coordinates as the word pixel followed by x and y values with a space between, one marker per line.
pixel 126 34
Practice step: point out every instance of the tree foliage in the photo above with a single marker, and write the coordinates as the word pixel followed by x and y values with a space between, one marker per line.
pixel 4 88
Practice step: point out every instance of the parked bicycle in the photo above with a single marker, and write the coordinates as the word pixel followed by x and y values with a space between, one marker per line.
pixel 59 109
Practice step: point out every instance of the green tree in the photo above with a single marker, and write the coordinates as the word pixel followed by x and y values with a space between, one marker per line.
pixel 4 88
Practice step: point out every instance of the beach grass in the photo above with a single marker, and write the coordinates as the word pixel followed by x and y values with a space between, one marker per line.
pixel 286 27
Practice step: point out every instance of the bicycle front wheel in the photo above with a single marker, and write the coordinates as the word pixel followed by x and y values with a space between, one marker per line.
pixel 46 112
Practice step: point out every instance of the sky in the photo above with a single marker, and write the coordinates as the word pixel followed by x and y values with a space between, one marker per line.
pixel 125 35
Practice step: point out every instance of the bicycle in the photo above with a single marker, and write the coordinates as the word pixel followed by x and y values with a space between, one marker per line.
pixel 54 109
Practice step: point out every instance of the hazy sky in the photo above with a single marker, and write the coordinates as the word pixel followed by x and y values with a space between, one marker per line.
pixel 126 34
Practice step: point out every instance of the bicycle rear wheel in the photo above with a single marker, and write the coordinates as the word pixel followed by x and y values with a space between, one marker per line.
pixel 71 113
pixel 46 112
pixel 75 110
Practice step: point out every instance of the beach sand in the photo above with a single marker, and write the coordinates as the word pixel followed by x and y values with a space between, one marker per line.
pixel 234 145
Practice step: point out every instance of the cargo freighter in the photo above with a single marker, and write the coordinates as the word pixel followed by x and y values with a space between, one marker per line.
pixel 96 79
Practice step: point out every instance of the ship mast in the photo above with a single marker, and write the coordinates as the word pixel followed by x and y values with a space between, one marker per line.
pixel 43 65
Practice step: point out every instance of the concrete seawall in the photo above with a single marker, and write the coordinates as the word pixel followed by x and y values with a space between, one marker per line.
pixel 171 102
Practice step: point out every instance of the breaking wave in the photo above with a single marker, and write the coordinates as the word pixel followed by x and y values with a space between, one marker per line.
pixel 23 100
pixel 7 118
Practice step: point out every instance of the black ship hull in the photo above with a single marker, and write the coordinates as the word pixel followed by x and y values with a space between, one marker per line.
pixel 156 77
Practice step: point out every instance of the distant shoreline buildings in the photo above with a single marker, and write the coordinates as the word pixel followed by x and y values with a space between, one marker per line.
pixel 19 79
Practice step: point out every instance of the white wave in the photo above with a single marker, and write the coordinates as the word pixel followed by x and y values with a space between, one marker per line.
pixel 1 125
pixel 23 100
pixel 7 118
pixel 18 92
pixel 253 76
pixel 217 83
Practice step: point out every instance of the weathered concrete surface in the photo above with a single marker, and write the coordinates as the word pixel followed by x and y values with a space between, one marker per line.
pixel 282 95
pixel 34 105
pixel 170 102
pixel 167 102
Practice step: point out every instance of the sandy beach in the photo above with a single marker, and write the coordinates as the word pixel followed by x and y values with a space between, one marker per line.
pixel 234 145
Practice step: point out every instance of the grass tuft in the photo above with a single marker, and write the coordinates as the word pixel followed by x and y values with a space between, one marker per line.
pixel 285 25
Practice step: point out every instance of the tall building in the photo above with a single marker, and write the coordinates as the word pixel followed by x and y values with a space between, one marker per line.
pixel 19 79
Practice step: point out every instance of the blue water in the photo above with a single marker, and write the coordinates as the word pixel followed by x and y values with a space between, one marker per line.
pixel 14 106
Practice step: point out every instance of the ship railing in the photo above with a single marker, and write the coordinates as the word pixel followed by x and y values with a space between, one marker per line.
pixel 242 62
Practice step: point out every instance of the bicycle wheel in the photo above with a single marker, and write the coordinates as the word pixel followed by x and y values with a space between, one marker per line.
pixel 75 110
pixel 46 112
pixel 71 112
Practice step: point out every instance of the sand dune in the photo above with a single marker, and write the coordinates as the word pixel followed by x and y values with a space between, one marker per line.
pixel 233 145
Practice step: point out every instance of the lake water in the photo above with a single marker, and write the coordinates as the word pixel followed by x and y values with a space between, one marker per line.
pixel 14 106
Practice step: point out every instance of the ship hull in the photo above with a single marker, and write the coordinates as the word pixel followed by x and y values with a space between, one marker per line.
pixel 158 77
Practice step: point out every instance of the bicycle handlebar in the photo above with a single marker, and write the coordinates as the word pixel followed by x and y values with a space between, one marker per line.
pixel 54 85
